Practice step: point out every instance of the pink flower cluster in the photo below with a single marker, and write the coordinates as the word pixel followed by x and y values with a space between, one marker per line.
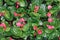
pixel 50 19
pixel 21 22
pixel 38 30
pixel 3 25
pixel 50 27
pixel 17 4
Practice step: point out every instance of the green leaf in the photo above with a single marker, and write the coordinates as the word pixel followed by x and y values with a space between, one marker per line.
pixel 11 8
pixel 3 39
pixel 35 2
pixel 14 0
pixel 35 24
pixel 2 8
pixel 1 2
pixel 7 33
pixel 49 2
pixel 22 3
pixel 26 27
pixel 1 30
pixel 9 2
pixel 21 10
pixel 42 10
pixel 48 31
pixel 16 31
pixel 38 38
pixel 8 15
pixel 35 16
pixel 8 29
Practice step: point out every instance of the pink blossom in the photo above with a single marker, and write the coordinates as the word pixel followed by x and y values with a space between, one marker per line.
pixel 36 8
pixel 49 7
pixel 0 14
pixel 4 26
pixel 48 14
pixel 50 27
pixel 15 14
pixel 1 25
pixel 50 20
pixel 21 25
pixel 39 31
pixel 22 20
pixel 11 38
pixel 35 27
pixel 18 24
pixel 17 6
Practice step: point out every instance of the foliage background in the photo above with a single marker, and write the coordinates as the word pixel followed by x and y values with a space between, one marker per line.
pixel 25 9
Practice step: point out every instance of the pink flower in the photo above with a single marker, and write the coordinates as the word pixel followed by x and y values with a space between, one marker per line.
pixel 50 20
pixel 49 7
pixel 15 14
pixel 21 25
pixel 18 24
pixel 35 27
pixel 1 14
pixel 17 6
pixel 22 20
pixel 1 25
pixel 35 11
pixel 48 14
pixel 50 27
pixel 11 38
pixel 39 31
pixel 4 26
pixel 36 8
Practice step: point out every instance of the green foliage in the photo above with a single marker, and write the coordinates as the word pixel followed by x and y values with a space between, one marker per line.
pixel 20 17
